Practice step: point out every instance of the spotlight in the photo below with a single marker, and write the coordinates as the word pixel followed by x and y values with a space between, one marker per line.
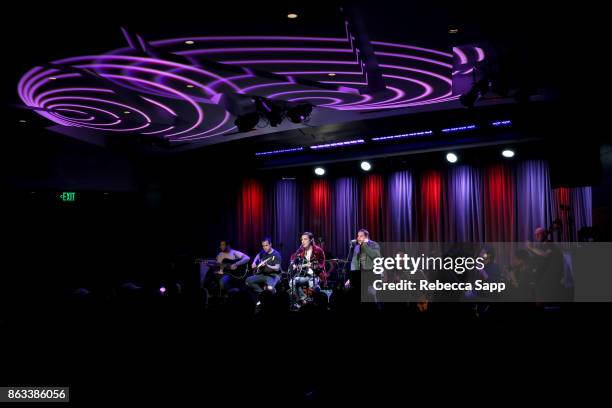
pixel 299 113
pixel 162 290
pixel 247 122
pixel 189 42
pixel 126 112
pixel 331 74
pixel 271 110
pixel 319 171
pixel 366 166
pixel 52 78
pixel 292 15
pixel 190 86
pixel 451 157
pixel 508 153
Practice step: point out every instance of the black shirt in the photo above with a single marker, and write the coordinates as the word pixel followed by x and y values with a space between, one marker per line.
pixel 276 261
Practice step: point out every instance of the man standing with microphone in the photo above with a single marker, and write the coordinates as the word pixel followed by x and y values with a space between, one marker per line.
pixel 362 254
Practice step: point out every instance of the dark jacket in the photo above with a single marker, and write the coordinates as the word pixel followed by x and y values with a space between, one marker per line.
pixel 372 250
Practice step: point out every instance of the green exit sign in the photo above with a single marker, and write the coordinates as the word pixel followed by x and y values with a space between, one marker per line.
pixel 67 196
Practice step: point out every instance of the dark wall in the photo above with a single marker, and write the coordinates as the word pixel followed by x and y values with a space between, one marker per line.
pixel 36 159
pixel 602 195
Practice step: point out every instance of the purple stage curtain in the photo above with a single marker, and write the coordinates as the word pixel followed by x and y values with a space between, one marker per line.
pixel 534 202
pixel 285 218
pixel 464 207
pixel 398 221
pixel 582 206
pixel 344 210
pixel 502 202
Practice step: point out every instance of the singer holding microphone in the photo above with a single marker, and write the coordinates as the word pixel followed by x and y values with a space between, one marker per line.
pixel 361 255
pixel 309 261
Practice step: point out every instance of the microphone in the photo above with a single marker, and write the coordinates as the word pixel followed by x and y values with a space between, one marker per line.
pixel 353 242
pixel 297 255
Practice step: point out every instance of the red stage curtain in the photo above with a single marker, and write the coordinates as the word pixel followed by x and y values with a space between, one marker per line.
pixel 372 216
pixel 319 209
pixel 250 215
pixel 561 210
pixel 499 203
pixel 430 223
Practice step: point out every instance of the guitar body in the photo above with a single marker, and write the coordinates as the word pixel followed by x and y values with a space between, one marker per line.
pixel 261 267
pixel 239 273
pixel 305 268
pixel 306 271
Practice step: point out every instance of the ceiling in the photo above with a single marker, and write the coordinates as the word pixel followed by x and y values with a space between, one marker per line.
pixel 181 71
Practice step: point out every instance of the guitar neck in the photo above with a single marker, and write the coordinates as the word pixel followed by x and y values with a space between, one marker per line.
pixel 263 264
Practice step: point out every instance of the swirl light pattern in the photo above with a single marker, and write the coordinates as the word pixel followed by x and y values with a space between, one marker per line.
pixel 129 92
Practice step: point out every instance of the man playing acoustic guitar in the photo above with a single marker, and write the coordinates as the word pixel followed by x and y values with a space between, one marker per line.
pixel 232 265
pixel 266 268
pixel 309 262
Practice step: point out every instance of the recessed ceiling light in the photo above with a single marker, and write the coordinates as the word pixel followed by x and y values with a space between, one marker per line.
pixel 190 86
pixel 22 121
pixel 292 15
pixel 127 112
pixel 319 171
pixel 451 157
pixel 508 153
pixel 52 78
pixel 331 74
pixel 189 42
pixel 453 30
pixel 366 166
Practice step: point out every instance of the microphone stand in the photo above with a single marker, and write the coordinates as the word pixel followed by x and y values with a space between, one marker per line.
pixel 352 245
pixel 292 276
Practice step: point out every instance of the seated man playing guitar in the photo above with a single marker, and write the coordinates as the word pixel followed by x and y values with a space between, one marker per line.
pixel 309 261
pixel 266 268
pixel 232 266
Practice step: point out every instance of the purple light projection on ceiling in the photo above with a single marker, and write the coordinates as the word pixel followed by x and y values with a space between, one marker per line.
pixel 125 91
pixel 465 58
